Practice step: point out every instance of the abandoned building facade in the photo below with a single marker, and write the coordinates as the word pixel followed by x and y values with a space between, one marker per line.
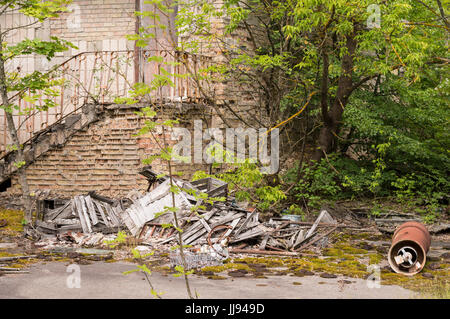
pixel 87 142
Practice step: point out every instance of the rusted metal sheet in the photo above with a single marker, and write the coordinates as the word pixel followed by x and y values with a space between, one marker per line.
pixel 410 244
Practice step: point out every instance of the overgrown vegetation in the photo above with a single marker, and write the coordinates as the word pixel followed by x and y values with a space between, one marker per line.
pixel 36 87
pixel 367 84
pixel 364 84
pixel 14 220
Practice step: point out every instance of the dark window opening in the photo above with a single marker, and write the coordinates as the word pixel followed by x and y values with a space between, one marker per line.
pixel 49 204
pixel 5 185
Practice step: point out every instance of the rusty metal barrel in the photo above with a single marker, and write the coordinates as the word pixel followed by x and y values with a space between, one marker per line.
pixel 409 248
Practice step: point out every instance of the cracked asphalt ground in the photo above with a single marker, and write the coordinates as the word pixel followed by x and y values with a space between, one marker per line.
pixel 100 280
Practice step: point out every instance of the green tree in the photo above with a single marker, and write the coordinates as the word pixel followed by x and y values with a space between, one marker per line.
pixel 371 75
pixel 365 76
pixel 15 84
pixel 333 49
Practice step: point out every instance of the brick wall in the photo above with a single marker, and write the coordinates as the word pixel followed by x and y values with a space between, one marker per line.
pixel 105 157
pixel 237 96
pixel 96 25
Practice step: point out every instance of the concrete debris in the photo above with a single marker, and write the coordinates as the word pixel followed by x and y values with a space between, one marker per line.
pixel 194 260
pixel 92 251
pixel 73 239
pixel 9 267
pixel 389 225
pixel 388 221
pixel 206 255
pixel 439 228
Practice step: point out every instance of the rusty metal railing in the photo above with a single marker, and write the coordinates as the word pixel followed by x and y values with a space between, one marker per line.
pixel 102 76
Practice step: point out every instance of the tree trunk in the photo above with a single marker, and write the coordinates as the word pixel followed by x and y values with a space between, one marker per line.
pixel 26 199
pixel 333 116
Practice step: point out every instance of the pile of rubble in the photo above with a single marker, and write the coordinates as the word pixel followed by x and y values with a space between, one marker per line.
pixel 198 225
pixel 87 214
pixel 207 218
pixel 213 223
pixel 221 225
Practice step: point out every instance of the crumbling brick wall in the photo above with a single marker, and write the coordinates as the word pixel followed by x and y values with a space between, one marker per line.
pixel 105 157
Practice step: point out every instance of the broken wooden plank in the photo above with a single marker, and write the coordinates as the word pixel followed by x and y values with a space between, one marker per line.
pixel 128 219
pixel 56 212
pixel 100 198
pixel 211 185
pixel 82 213
pixel 244 224
pixel 312 229
pixel 233 226
pixel 76 208
pixel 91 209
pixel 2 259
pixel 193 235
pixel 261 252
pixel 111 214
pixel 199 230
pixel 254 232
pixel 69 227
pixel 64 222
pixel 263 244
pixel 197 225
pixel 85 213
pixel 316 223
pixel 66 213
pixel 73 208
pixel 228 232
pixel 46 225
pixel 299 239
pixel 102 213
pixel 317 239
pixel 276 248
pixel 116 215
pixel 220 191
pixel 228 218
pixel 205 224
